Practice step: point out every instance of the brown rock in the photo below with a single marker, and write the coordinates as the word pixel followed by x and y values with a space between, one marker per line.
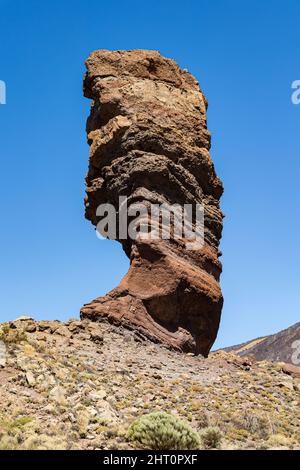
pixel 291 369
pixel 149 142
pixel 244 362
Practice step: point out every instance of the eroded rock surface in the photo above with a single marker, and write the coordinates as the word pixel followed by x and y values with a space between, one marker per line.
pixel 149 142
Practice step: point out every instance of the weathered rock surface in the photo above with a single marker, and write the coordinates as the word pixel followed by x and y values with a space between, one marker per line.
pixel 149 142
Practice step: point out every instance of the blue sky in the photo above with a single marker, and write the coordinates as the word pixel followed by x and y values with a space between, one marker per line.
pixel 245 56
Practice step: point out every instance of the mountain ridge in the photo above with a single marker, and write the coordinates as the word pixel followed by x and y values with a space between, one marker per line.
pixel 275 347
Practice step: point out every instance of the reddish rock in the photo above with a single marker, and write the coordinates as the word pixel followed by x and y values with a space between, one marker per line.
pixel 149 142
pixel 291 369
pixel 243 362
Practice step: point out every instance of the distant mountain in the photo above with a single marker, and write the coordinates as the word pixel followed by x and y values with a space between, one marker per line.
pixel 276 347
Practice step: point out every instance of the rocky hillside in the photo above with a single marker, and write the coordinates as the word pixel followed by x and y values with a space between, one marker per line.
pixel 278 347
pixel 80 385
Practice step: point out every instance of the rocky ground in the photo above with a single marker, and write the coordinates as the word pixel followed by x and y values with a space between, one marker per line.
pixel 79 385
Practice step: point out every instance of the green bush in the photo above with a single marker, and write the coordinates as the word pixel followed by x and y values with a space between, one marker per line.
pixel 163 431
pixel 211 437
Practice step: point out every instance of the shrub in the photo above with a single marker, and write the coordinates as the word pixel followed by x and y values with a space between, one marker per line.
pixel 211 437
pixel 278 440
pixel 199 415
pixel 14 424
pixel 163 431
pixel 255 423
pixel 202 420
pixel 10 335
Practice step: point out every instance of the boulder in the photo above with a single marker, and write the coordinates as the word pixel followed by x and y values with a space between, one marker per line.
pixel 291 369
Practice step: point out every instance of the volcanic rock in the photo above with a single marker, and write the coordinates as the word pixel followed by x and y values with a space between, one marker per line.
pixel 292 370
pixel 149 143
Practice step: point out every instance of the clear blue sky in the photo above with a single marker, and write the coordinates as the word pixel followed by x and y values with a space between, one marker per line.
pixel 245 55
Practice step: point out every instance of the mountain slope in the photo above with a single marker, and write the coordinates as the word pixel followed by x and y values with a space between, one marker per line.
pixel 276 347
pixel 80 385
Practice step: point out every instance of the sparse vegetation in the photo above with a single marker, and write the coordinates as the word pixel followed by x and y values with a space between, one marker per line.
pixel 59 392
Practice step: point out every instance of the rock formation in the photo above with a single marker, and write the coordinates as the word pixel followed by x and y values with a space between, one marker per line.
pixel 149 142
